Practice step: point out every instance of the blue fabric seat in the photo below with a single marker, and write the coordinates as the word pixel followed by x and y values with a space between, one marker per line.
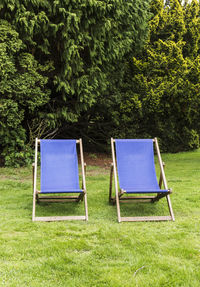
pixel 59 167
pixel 135 165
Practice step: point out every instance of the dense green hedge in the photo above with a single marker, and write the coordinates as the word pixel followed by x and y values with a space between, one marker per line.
pixel 22 92
pixel 160 93
pixel 166 78
pixel 74 52
pixel 90 68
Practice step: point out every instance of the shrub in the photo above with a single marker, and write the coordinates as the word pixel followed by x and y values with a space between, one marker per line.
pixel 164 99
pixel 22 91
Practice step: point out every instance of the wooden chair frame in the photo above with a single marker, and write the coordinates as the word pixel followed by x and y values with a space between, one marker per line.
pixel 38 197
pixel 119 194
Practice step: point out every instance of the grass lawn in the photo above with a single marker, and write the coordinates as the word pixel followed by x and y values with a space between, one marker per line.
pixel 102 252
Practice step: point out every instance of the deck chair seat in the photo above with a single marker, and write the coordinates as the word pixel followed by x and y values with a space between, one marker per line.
pixel 59 175
pixel 134 173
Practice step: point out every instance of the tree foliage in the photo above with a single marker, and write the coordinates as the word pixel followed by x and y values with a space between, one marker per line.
pixel 90 68
pixel 81 48
pixel 158 93
pixel 22 91
pixel 165 96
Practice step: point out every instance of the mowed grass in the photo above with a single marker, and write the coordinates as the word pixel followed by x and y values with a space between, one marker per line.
pixel 102 252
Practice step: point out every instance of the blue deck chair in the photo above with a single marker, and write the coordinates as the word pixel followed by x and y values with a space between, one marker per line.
pixel 134 172
pixel 59 175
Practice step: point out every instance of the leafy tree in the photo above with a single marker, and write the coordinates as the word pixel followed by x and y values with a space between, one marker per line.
pixel 84 48
pixel 165 96
pixel 22 92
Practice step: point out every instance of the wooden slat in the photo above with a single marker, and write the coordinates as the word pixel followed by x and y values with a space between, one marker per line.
pixel 147 218
pixel 152 139
pixel 161 165
pixel 160 180
pixel 170 207
pixel 33 172
pixel 164 179
pixel 111 178
pixel 82 165
pixel 83 178
pixel 59 218
pixel 115 179
pixel 80 197
pixel 58 197
pixel 77 141
pixel 35 178
pixel 137 197
pixel 160 195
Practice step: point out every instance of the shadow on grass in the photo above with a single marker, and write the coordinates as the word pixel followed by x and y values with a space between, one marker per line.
pixel 60 209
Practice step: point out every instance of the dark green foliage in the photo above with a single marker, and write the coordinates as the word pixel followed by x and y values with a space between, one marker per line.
pixel 165 96
pixel 22 92
pixel 89 68
pixel 158 93
pixel 88 44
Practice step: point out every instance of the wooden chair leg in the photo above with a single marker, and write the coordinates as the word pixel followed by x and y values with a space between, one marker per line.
pixel 111 179
pixel 161 178
pixel 80 197
pixel 118 208
pixel 86 207
pixel 159 196
pixel 170 208
pixel 33 212
pixel 37 198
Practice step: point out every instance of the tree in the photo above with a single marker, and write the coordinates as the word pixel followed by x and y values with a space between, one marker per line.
pixel 22 91
pixel 165 96
pixel 84 47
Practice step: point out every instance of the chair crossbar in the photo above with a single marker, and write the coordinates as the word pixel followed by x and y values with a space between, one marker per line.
pixel 59 218
pixel 147 218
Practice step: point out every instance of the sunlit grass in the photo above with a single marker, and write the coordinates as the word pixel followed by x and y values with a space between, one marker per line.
pixel 102 252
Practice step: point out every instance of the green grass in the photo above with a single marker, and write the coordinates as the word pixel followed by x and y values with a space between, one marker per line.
pixel 102 252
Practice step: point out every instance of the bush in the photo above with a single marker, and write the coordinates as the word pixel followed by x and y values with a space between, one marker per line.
pixel 22 92
pixel 82 47
pixel 164 99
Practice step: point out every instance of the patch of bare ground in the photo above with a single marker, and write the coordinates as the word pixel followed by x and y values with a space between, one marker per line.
pixel 101 163
pixel 98 159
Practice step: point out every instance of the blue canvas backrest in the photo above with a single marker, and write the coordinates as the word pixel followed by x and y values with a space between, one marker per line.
pixel 59 166
pixel 135 165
